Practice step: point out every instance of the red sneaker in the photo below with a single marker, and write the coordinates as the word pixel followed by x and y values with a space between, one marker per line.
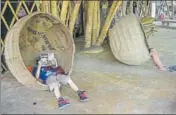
pixel 82 96
pixel 62 103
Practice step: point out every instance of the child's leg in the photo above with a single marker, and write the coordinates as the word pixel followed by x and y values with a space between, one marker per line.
pixel 81 94
pixel 65 79
pixel 73 85
pixel 57 91
pixel 55 87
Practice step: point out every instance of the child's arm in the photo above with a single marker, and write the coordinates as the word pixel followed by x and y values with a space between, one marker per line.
pixel 38 71
pixel 156 59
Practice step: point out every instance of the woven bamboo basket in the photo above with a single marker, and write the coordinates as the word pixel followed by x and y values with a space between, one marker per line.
pixel 28 37
pixel 128 41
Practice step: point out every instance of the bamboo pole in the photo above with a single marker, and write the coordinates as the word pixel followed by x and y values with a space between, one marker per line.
pixel 73 16
pixel 48 6
pixel 44 6
pixel 115 5
pixel 84 15
pixel 63 14
pixel 88 31
pixel 173 10
pixel 59 7
pixel 54 8
pixel 145 8
pixel 98 19
pixel 38 5
pixel 69 11
pixel 131 7
pixel 124 7
pixel 94 24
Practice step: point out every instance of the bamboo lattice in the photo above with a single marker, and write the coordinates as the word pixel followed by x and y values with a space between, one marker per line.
pixel 10 5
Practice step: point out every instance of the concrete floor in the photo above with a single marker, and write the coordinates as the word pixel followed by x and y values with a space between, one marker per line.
pixel 111 86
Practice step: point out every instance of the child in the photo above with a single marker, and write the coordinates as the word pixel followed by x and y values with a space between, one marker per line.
pixel 53 75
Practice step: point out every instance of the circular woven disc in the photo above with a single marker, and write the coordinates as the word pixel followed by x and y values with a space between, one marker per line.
pixel 127 41
pixel 28 37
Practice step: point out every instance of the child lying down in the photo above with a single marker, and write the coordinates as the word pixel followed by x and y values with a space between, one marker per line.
pixel 51 74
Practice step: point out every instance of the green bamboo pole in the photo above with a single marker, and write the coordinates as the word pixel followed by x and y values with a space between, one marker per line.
pixel 54 10
pixel 73 16
pixel 115 5
pixel 88 31
pixel 63 14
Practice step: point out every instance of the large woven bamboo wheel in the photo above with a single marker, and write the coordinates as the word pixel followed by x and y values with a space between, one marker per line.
pixel 128 41
pixel 28 37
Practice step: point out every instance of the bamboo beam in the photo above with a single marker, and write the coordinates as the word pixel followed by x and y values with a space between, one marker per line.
pixel 54 8
pixel 88 31
pixel 63 14
pixel 73 16
pixel 115 5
